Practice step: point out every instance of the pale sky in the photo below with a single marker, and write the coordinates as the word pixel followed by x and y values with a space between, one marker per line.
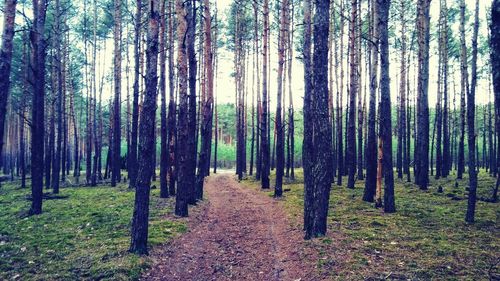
pixel 225 83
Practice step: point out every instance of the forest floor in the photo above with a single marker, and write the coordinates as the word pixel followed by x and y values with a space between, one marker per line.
pixel 82 234
pixel 237 234
pixel 426 239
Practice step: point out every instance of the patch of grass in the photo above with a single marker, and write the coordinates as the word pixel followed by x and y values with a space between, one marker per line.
pixel 83 235
pixel 427 238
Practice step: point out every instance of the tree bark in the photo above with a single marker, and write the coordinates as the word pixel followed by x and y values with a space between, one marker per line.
pixel 371 145
pixel 353 91
pixel 264 127
pixel 116 163
pixel 163 115
pixel 495 69
pixel 318 139
pixel 184 170
pixel 38 126
pixel 139 232
pixel 422 137
pixel 207 106
pixel 6 50
pixel 471 132
pixel 132 161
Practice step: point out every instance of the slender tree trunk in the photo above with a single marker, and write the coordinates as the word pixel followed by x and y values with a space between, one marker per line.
pixel 495 69
pixel 446 163
pixel 139 232
pixel 264 127
pixel 207 106
pixel 385 107
pixel 471 133
pixel 132 168
pixel 371 145
pixel 464 88
pixel 163 115
pixel 422 137
pixel 353 91
pixel 280 136
pixel 171 129
pixel 116 163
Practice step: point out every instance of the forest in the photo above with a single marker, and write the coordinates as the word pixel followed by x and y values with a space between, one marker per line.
pixel 249 140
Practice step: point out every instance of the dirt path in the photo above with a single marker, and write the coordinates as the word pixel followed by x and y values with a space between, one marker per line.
pixel 239 234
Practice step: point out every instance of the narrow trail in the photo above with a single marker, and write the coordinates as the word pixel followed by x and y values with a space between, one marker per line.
pixel 239 234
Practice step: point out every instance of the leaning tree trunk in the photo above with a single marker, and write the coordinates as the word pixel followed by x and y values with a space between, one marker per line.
pixel 139 232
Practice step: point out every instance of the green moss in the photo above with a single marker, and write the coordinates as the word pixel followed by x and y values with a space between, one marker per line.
pixel 82 236
pixel 426 238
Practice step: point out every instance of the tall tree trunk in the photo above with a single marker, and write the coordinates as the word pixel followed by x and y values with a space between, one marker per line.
pixel 318 172
pixel 171 129
pixel 132 162
pixel 402 91
pixel 353 91
pixel 385 107
pixel 464 88
pixel 280 136
pixel 207 106
pixel 495 69
pixel 139 232
pixel 422 136
pixel 182 194
pixel 192 128
pixel 58 61
pixel 264 127
pixel 163 115
pixel 38 126
pixel 371 145
pixel 340 135
pixel 471 132
pixel 116 163
pixel 6 50
pixel 446 163
pixel 307 148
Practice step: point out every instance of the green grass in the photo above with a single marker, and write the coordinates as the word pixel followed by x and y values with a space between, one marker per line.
pixel 84 235
pixel 426 239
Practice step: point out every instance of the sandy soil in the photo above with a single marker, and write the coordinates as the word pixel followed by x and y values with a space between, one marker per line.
pixel 237 234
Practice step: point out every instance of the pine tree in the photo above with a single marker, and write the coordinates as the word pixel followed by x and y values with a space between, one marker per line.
pixel 140 218
pixel 6 50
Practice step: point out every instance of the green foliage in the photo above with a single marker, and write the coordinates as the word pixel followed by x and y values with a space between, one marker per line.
pixel 426 239
pixel 82 235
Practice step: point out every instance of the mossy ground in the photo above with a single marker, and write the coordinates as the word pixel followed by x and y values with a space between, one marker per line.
pixel 426 239
pixel 83 234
